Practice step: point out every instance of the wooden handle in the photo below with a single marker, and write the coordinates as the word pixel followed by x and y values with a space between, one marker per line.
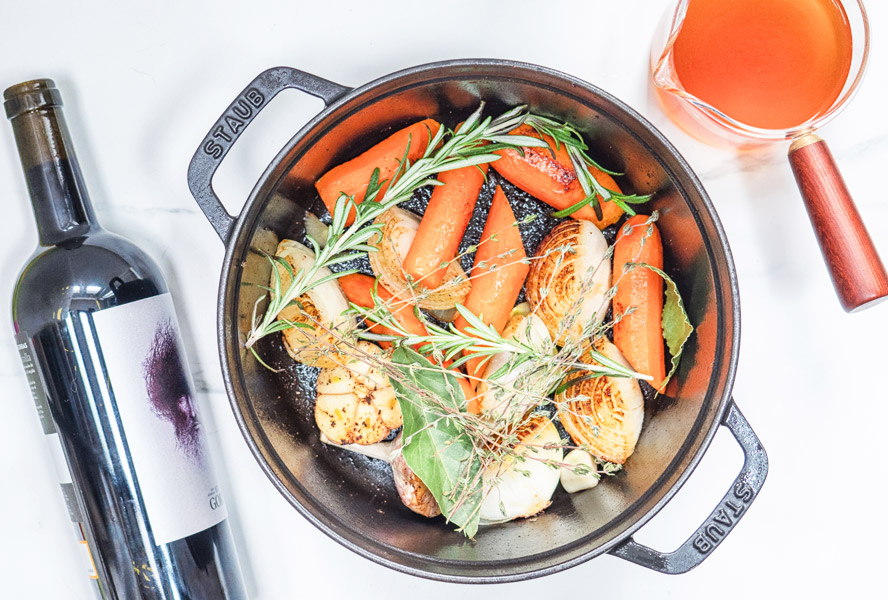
pixel 851 258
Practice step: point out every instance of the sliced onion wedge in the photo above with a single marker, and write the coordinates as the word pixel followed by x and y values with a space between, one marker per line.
pixel 316 229
pixel 398 230
pixel 315 342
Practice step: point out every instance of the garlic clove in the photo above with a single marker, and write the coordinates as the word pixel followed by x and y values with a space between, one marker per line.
pixel 335 380
pixel 389 410
pixel 574 477
pixel 334 415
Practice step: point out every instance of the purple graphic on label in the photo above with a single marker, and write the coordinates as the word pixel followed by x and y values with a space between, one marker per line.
pixel 168 389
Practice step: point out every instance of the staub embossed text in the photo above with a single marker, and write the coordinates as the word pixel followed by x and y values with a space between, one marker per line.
pixel 232 122
pixel 724 518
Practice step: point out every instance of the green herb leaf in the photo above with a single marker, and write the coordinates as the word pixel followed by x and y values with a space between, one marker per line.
pixel 435 446
pixel 575 207
pixel 569 383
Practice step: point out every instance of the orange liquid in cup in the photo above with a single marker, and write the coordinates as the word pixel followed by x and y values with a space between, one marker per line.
pixel 772 64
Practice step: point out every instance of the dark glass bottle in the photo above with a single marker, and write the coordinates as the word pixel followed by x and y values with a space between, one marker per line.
pixel 140 487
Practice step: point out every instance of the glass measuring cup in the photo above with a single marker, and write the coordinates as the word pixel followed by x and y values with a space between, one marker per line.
pixel 854 265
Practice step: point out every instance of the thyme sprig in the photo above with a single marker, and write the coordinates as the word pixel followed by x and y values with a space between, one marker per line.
pixel 562 133
pixel 477 340
pixel 474 143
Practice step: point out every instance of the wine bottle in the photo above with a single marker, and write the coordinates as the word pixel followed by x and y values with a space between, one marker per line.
pixel 98 336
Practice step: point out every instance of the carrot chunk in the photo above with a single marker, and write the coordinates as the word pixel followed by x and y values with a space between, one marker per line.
pixel 352 177
pixel 443 225
pixel 358 289
pixel 639 333
pixel 553 179
pixel 498 274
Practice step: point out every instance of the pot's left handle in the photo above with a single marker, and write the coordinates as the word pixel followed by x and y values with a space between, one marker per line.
pixel 725 516
pixel 233 122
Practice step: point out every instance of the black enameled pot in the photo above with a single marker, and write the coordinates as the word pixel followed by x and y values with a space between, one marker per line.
pixel 352 499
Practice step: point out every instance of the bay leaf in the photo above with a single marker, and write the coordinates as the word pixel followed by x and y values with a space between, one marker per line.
pixel 435 444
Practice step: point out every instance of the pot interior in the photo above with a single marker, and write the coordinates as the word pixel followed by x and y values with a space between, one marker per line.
pixel 353 498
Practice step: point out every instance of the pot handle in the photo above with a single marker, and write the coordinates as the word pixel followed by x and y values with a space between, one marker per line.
pixel 722 520
pixel 233 122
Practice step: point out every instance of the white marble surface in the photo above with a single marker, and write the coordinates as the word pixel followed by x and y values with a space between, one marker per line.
pixel 144 83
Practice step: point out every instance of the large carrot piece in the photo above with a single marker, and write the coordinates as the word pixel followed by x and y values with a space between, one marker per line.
pixel 639 334
pixel 553 179
pixel 358 289
pixel 443 225
pixel 351 178
pixel 498 274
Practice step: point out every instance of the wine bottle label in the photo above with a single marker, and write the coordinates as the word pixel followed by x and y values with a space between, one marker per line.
pixel 145 365
pixel 35 382
pixel 56 452
pixel 53 441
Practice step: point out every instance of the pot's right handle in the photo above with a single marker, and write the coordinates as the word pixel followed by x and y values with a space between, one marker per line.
pixel 233 122
pixel 722 520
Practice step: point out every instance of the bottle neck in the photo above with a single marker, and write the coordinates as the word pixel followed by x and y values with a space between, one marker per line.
pixel 59 198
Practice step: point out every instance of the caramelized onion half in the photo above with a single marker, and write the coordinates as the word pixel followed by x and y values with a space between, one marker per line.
pixel 604 413
pixel 569 279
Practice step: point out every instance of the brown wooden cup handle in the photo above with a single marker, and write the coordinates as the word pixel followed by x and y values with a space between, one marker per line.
pixel 851 258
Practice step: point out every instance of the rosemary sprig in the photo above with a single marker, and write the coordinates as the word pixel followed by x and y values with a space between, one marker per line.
pixel 475 142
pixel 563 133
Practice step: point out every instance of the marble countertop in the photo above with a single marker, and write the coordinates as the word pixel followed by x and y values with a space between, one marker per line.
pixel 143 84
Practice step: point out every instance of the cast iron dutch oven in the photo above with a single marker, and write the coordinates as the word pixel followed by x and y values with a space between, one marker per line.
pixel 353 500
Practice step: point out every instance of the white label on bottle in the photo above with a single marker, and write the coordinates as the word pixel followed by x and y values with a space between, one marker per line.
pixel 63 474
pixel 56 452
pixel 150 381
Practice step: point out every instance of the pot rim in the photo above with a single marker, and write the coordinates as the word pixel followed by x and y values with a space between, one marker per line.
pixel 521 568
